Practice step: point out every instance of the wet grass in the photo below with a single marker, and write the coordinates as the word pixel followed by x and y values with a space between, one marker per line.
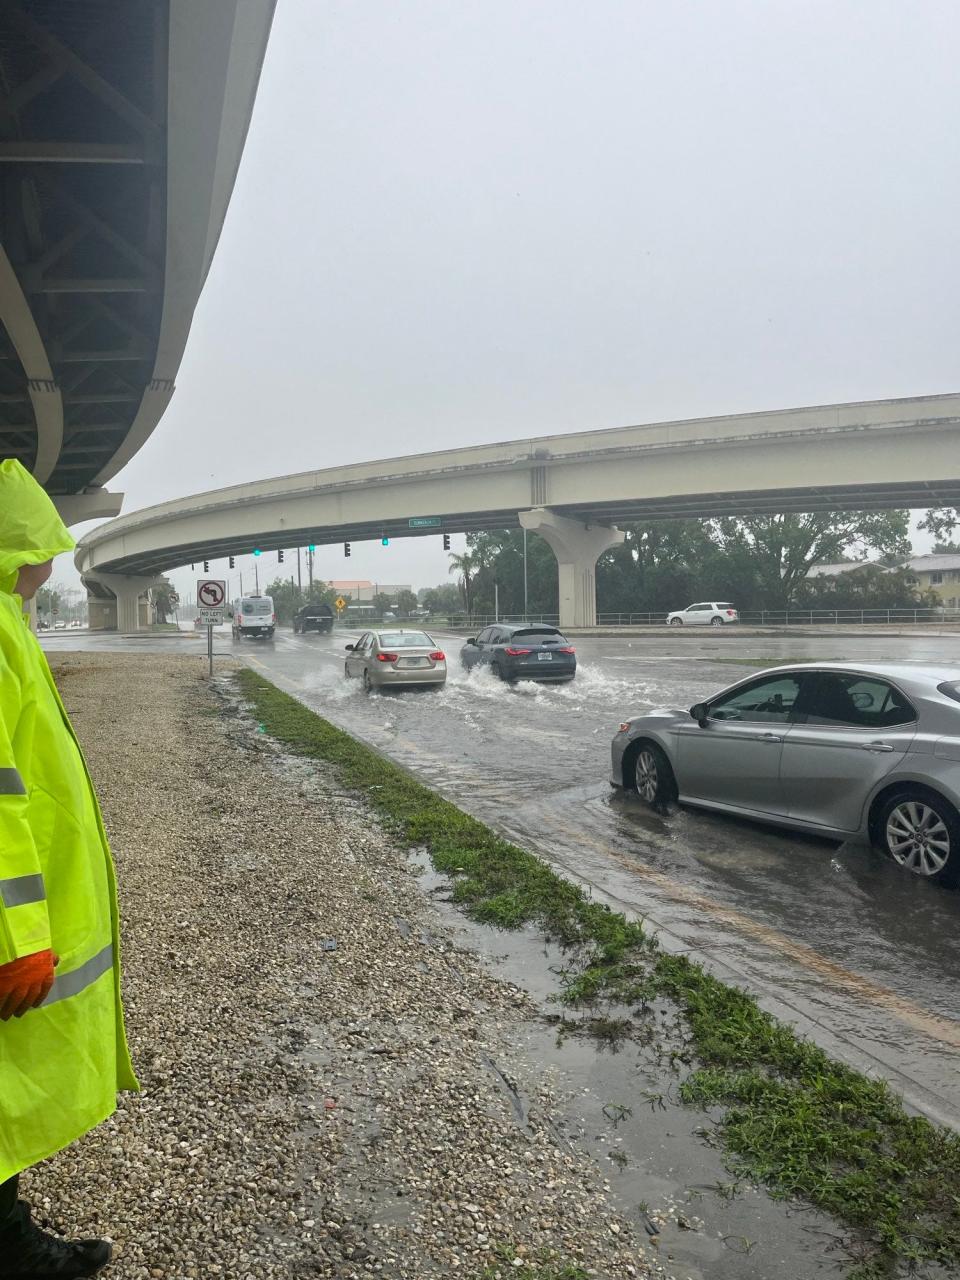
pixel 792 1117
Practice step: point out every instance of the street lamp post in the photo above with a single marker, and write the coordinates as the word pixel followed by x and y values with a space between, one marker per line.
pixel 524 574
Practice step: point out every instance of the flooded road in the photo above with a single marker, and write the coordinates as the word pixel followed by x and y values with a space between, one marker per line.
pixel 834 939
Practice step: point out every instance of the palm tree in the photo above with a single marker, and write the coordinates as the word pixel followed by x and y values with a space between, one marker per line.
pixel 165 599
pixel 467 566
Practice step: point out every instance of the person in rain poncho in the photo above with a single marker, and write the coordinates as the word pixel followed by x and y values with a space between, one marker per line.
pixel 63 1053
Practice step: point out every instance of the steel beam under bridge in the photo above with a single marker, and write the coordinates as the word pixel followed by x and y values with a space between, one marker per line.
pixel 868 454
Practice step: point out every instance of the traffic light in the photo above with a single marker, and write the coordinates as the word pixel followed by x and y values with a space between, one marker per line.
pixel 346 548
pixel 312 548
pixel 384 542
pixel 279 557
pixel 206 566
pixel 232 565
pixel 257 551
pixel 446 542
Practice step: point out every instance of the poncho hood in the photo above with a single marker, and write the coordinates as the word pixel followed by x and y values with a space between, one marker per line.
pixel 31 530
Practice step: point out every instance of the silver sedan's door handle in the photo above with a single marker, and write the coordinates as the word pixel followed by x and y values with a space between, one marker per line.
pixel 877 746
pixel 768 737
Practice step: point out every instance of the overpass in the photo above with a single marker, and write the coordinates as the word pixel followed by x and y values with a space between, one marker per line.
pixel 571 489
pixel 122 123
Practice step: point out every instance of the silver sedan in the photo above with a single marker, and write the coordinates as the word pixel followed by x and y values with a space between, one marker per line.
pixel 395 658
pixel 843 750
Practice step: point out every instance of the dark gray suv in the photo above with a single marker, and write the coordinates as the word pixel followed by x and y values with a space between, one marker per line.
pixel 522 653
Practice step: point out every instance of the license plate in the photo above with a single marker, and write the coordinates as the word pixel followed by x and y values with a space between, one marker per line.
pixel 412 662
pixel 545 657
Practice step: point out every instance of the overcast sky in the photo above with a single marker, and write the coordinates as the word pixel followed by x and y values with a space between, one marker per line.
pixel 469 221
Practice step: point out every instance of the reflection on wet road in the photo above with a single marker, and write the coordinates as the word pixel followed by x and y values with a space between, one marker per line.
pixel 835 939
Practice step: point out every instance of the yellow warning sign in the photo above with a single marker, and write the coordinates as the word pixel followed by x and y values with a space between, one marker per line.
pixel 341 603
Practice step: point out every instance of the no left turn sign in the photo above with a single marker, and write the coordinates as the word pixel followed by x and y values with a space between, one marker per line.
pixel 211 593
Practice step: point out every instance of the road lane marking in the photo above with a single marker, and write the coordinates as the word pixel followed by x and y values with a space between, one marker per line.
pixel 934 1025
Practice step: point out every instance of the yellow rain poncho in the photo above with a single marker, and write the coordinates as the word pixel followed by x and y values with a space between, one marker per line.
pixel 61 1064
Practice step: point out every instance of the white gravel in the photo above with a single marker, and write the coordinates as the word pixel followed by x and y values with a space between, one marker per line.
pixel 305 1111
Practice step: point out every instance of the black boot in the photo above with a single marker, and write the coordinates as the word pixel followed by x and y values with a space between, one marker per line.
pixel 27 1253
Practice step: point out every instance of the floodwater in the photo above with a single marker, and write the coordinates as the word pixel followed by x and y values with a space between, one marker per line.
pixel 833 938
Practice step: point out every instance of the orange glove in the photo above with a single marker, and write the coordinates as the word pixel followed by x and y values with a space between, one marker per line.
pixel 26 983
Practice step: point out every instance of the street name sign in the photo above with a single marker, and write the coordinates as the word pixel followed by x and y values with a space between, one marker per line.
pixel 424 522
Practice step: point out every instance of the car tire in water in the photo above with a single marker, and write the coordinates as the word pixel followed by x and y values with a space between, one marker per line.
pixel 920 831
pixel 676 622
pixel 716 622
pixel 652 776
pixel 366 682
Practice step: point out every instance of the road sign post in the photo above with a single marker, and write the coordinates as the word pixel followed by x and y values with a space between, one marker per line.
pixel 211 603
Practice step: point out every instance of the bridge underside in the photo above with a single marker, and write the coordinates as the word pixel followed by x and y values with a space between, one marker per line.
pixel 682 507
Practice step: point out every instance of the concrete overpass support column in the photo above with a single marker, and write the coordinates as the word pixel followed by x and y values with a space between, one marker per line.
pixel 578 547
pixel 128 591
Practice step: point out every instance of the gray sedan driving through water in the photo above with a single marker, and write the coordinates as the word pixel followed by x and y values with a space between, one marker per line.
pixel 842 750
pixel 395 658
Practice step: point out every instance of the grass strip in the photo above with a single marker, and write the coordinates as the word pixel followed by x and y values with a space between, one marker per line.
pixel 805 1125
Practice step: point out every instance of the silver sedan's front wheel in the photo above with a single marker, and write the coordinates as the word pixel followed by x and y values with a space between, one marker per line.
pixel 652 775
pixel 920 830
pixel 648 778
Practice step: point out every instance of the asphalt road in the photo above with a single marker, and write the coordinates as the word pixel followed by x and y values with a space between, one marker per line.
pixel 833 938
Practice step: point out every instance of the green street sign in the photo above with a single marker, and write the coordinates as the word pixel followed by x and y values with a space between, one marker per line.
pixel 424 522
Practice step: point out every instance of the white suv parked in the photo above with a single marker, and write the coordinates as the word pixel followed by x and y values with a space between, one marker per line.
pixel 709 613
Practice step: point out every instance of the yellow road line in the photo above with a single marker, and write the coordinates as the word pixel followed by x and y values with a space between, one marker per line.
pixel 946 1030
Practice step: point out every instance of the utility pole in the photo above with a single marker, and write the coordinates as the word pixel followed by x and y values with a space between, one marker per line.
pixel 256 576
pixel 299 582
pixel 525 575
pixel 310 567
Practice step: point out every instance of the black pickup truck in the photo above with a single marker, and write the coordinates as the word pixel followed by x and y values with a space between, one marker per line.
pixel 313 617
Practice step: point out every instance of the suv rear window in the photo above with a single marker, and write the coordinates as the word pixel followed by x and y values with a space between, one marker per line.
pixel 539 635
pixel 256 607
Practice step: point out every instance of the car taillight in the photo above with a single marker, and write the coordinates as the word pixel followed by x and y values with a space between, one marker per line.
pixel 516 653
pixel 567 648
pixel 438 656
pixel 387 657
pixel 625 726
pixel 730 613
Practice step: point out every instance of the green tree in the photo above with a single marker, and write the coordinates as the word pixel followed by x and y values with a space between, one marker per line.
pixel 784 548
pixel 467 566
pixel 868 586
pixel 48 601
pixel 406 601
pixel 757 562
pixel 444 599
pixel 165 599
pixel 288 597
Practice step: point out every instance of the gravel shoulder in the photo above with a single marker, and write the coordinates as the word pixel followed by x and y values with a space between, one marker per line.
pixel 330 1078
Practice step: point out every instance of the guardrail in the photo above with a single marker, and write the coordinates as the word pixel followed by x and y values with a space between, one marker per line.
pixel 801 617
pixel 749 617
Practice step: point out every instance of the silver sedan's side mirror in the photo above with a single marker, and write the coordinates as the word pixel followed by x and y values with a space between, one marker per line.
pixel 348 646
pixel 699 713
pixel 472 640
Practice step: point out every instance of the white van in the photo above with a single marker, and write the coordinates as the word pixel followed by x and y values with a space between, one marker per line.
pixel 254 617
